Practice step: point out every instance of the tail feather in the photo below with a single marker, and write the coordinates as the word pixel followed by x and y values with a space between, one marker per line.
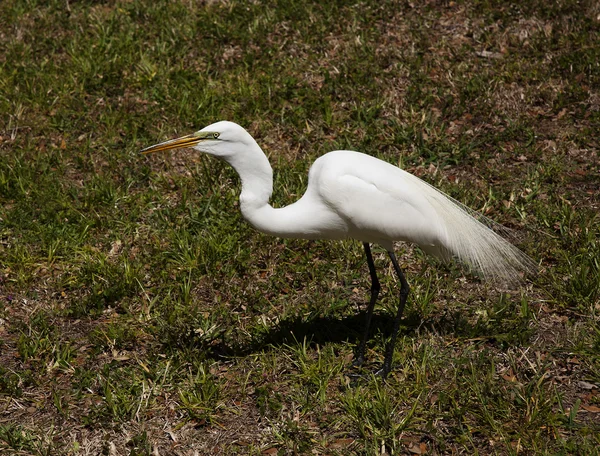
pixel 473 243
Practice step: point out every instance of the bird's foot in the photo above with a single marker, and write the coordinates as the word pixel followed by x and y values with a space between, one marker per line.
pixel 358 361
pixel 361 374
pixel 354 379
pixel 357 371
pixel 383 372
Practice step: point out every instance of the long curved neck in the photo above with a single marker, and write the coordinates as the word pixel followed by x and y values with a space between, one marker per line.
pixel 256 175
pixel 307 218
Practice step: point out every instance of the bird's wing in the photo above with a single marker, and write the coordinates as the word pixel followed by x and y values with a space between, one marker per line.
pixel 379 202
pixel 383 203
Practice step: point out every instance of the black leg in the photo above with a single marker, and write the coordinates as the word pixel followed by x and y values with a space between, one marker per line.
pixel 404 289
pixel 375 287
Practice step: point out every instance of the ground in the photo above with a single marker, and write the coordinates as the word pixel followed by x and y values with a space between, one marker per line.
pixel 139 313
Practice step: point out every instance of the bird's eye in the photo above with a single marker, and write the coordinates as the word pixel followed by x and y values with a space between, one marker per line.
pixel 215 135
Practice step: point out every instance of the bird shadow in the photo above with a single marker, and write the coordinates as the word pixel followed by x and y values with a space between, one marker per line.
pixel 319 330
pixel 313 331
pixel 323 329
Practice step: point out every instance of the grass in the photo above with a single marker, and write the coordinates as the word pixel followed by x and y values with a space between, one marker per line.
pixel 139 313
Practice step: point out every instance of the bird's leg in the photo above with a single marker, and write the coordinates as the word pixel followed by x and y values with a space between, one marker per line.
pixel 404 289
pixel 375 287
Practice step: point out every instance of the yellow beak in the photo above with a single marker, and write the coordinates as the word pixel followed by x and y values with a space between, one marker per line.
pixel 184 141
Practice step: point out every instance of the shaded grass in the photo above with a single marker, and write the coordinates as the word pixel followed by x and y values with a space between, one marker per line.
pixel 138 311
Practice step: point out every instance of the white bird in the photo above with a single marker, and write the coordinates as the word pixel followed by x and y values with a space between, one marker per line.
pixel 353 195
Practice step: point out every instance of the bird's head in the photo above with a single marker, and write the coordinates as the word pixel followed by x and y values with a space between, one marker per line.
pixel 222 139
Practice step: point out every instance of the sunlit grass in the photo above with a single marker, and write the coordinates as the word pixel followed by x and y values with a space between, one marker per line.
pixel 139 312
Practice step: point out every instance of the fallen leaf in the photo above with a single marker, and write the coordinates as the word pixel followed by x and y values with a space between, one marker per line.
pixel 115 248
pixel 586 398
pixel 591 408
pixel 420 448
pixel 120 356
pixel 488 54
pixel 509 378
pixel 586 385
pixel 341 443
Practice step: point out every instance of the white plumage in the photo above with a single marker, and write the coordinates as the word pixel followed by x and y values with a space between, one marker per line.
pixel 353 195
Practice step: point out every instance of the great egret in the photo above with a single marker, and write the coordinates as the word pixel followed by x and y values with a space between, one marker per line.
pixel 353 195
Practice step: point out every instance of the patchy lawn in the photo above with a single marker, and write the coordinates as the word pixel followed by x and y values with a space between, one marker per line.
pixel 139 313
